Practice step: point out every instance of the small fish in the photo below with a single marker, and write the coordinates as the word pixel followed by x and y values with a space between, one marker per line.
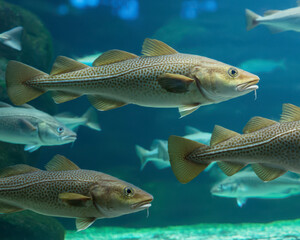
pixel 89 59
pixel 276 20
pixel 158 153
pixel 65 190
pixel 272 148
pixel 88 119
pixel 262 65
pixel 245 184
pixel 27 125
pixel 12 38
pixel 162 77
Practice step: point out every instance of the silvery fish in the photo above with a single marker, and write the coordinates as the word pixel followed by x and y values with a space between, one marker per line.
pixel 272 148
pixel 276 20
pixel 245 184
pixel 12 38
pixel 162 77
pixel 262 65
pixel 88 119
pixel 158 153
pixel 64 190
pixel 27 125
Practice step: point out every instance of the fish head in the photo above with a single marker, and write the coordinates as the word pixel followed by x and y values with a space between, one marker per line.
pixel 225 189
pixel 219 81
pixel 115 198
pixel 55 133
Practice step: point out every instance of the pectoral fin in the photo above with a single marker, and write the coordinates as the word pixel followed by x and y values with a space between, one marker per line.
pixel 6 208
pixel 241 201
pixel 267 173
pixel 74 199
pixel 84 223
pixel 26 125
pixel 175 83
pixel 104 104
pixel 188 109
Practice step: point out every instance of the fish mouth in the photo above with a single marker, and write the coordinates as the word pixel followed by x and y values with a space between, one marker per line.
pixel 251 85
pixel 70 138
pixel 142 205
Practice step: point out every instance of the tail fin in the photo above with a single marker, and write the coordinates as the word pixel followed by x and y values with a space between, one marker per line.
pixel 251 19
pixel 92 120
pixel 16 76
pixel 12 38
pixel 142 154
pixel 179 148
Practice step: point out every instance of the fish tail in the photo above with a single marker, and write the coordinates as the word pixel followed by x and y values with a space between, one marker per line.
pixel 142 154
pixel 184 169
pixel 17 75
pixel 251 19
pixel 92 120
pixel 12 38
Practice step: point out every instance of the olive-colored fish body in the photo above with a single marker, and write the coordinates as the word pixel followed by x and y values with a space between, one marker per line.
pixel 67 191
pixel 162 77
pixel 270 147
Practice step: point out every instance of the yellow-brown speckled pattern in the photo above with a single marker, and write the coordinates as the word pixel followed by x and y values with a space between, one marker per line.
pixel 131 81
pixel 38 191
pixel 277 145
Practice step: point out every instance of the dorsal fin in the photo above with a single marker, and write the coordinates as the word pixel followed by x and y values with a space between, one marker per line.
pixel 270 12
pixel 113 56
pixel 290 113
pixel 64 65
pixel 61 163
pixel 257 123
pixel 17 170
pixel 3 104
pixel 221 134
pixel 152 47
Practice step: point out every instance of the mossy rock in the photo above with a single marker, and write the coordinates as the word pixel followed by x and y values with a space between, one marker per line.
pixel 28 225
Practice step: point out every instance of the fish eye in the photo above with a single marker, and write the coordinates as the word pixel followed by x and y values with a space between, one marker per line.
pixel 128 191
pixel 233 72
pixel 60 129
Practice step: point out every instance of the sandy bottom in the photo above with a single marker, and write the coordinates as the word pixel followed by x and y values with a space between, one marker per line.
pixel 281 230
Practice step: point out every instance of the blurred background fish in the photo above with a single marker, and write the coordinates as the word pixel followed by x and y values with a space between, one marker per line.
pixel 158 153
pixel 12 38
pixel 245 184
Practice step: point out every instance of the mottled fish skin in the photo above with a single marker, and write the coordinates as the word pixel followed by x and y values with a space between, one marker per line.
pixel 272 148
pixel 73 193
pixel 194 81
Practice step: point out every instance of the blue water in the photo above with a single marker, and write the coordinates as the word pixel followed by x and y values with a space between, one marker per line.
pixel 211 28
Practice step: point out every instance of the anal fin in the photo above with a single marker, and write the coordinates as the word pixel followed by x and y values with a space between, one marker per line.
pixel 267 173
pixel 230 168
pixel 7 208
pixel 61 96
pixel 104 104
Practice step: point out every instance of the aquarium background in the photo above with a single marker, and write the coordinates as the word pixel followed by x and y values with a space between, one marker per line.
pixel 211 28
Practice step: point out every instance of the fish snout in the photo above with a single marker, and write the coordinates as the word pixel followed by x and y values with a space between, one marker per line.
pixel 143 204
pixel 249 85
pixel 69 138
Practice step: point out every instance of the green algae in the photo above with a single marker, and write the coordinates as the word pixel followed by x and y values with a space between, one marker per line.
pixel 276 231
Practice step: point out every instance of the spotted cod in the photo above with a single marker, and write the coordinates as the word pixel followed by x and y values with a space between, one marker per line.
pixel 272 148
pixel 64 190
pixel 162 78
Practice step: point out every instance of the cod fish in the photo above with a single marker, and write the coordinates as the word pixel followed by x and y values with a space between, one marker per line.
pixel 65 190
pixel 276 20
pixel 27 125
pixel 272 148
pixel 158 153
pixel 162 78
pixel 88 119
pixel 12 38
pixel 245 184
